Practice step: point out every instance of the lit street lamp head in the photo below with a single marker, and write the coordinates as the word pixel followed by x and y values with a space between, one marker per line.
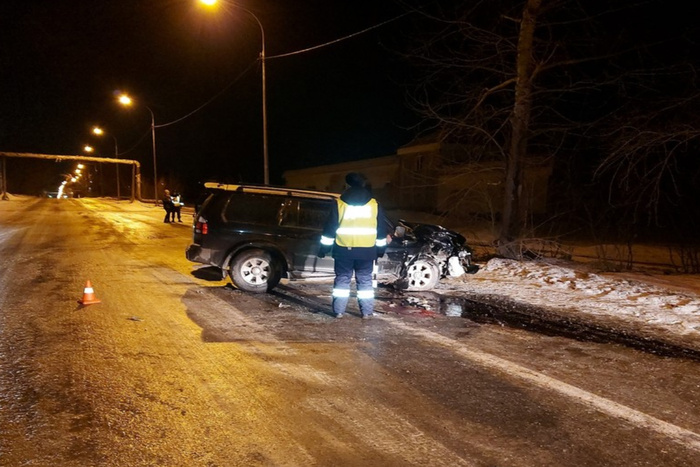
pixel 124 99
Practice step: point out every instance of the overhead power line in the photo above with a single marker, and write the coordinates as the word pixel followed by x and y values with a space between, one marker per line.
pixel 289 54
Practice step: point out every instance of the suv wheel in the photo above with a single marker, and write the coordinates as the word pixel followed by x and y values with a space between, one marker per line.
pixel 422 274
pixel 254 271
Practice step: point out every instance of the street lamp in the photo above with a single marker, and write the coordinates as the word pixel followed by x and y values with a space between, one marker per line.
pixel 266 168
pixel 126 101
pixel 99 132
pixel 78 173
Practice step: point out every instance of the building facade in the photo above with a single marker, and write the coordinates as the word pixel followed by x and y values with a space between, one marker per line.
pixel 433 177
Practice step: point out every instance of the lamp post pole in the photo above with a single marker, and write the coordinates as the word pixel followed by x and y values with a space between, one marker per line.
pixel 266 168
pixel 99 131
pixel 264 113
pixel 155 169
pixel 125 100
pixel 79 172
pixel 116 156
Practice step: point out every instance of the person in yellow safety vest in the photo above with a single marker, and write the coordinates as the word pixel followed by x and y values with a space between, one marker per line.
pixel 356 233
pixel 177 206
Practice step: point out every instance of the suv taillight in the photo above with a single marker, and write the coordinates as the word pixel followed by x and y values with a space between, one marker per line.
pixel 201 227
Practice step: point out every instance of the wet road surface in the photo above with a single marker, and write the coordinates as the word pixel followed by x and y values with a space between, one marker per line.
pixel 175 367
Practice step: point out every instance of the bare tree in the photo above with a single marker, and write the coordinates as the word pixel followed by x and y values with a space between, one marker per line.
pixel 553 80
pixel 653 143
pixel 519 123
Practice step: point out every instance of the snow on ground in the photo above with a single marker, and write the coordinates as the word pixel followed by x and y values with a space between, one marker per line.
pixel 659 304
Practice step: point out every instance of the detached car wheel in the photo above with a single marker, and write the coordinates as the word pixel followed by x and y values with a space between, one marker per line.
pixel 254 271
pixel 422 274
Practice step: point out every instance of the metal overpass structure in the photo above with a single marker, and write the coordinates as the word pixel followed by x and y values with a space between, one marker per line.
pixel 135 168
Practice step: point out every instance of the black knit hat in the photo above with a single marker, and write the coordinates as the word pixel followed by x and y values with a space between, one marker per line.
pixel 355 179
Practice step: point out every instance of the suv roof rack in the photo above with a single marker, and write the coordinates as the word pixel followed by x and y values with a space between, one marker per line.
pixel 266 189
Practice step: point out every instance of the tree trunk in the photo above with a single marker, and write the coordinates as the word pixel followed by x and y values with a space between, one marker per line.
pixel 512 218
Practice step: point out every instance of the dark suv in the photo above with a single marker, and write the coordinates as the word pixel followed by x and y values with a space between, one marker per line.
pixel 259 234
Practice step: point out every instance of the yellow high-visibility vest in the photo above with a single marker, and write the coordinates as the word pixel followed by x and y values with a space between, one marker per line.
pixel 357 225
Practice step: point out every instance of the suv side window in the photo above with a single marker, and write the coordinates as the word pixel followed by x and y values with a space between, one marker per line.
pixel 307 213
pixel 254 209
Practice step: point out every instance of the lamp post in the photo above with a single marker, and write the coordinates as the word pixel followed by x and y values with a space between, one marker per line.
pixel 99 132
pixel 126 101
pixel 266 169
pixel 78 172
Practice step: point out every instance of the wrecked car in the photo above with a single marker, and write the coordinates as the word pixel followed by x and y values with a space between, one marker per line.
pixel 421 254
pixel 258 235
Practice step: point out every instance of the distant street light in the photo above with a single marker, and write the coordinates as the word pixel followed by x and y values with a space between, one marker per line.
pixel 78 173
pixel 266 169
pixel 126 101
pixel 99 132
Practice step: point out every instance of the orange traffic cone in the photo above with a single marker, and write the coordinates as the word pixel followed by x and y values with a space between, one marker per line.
pixel 89 295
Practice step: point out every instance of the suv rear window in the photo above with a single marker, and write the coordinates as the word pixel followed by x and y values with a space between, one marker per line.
pixel 254 209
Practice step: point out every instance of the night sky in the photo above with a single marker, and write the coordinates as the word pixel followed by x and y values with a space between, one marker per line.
pixel 197 69
pixel 62 61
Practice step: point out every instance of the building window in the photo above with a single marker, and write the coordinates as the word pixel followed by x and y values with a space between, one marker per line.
pixel 418 163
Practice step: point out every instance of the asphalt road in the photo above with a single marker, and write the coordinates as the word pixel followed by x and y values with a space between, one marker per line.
pixel 176 368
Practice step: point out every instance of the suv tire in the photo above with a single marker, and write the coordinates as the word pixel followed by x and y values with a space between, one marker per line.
pixel 421 275
pixel 254 271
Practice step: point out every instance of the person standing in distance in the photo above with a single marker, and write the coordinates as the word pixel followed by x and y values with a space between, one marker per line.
pixel 167 205
pixel 177 207
pixel 356 234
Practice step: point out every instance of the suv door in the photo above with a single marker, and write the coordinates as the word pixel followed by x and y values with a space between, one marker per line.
pixel 303 219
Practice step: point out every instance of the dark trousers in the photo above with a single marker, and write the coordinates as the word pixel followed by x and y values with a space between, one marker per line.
pixel 167 214
pixel 344 269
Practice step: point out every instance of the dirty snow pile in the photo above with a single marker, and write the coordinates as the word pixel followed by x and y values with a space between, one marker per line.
pixel 671 303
